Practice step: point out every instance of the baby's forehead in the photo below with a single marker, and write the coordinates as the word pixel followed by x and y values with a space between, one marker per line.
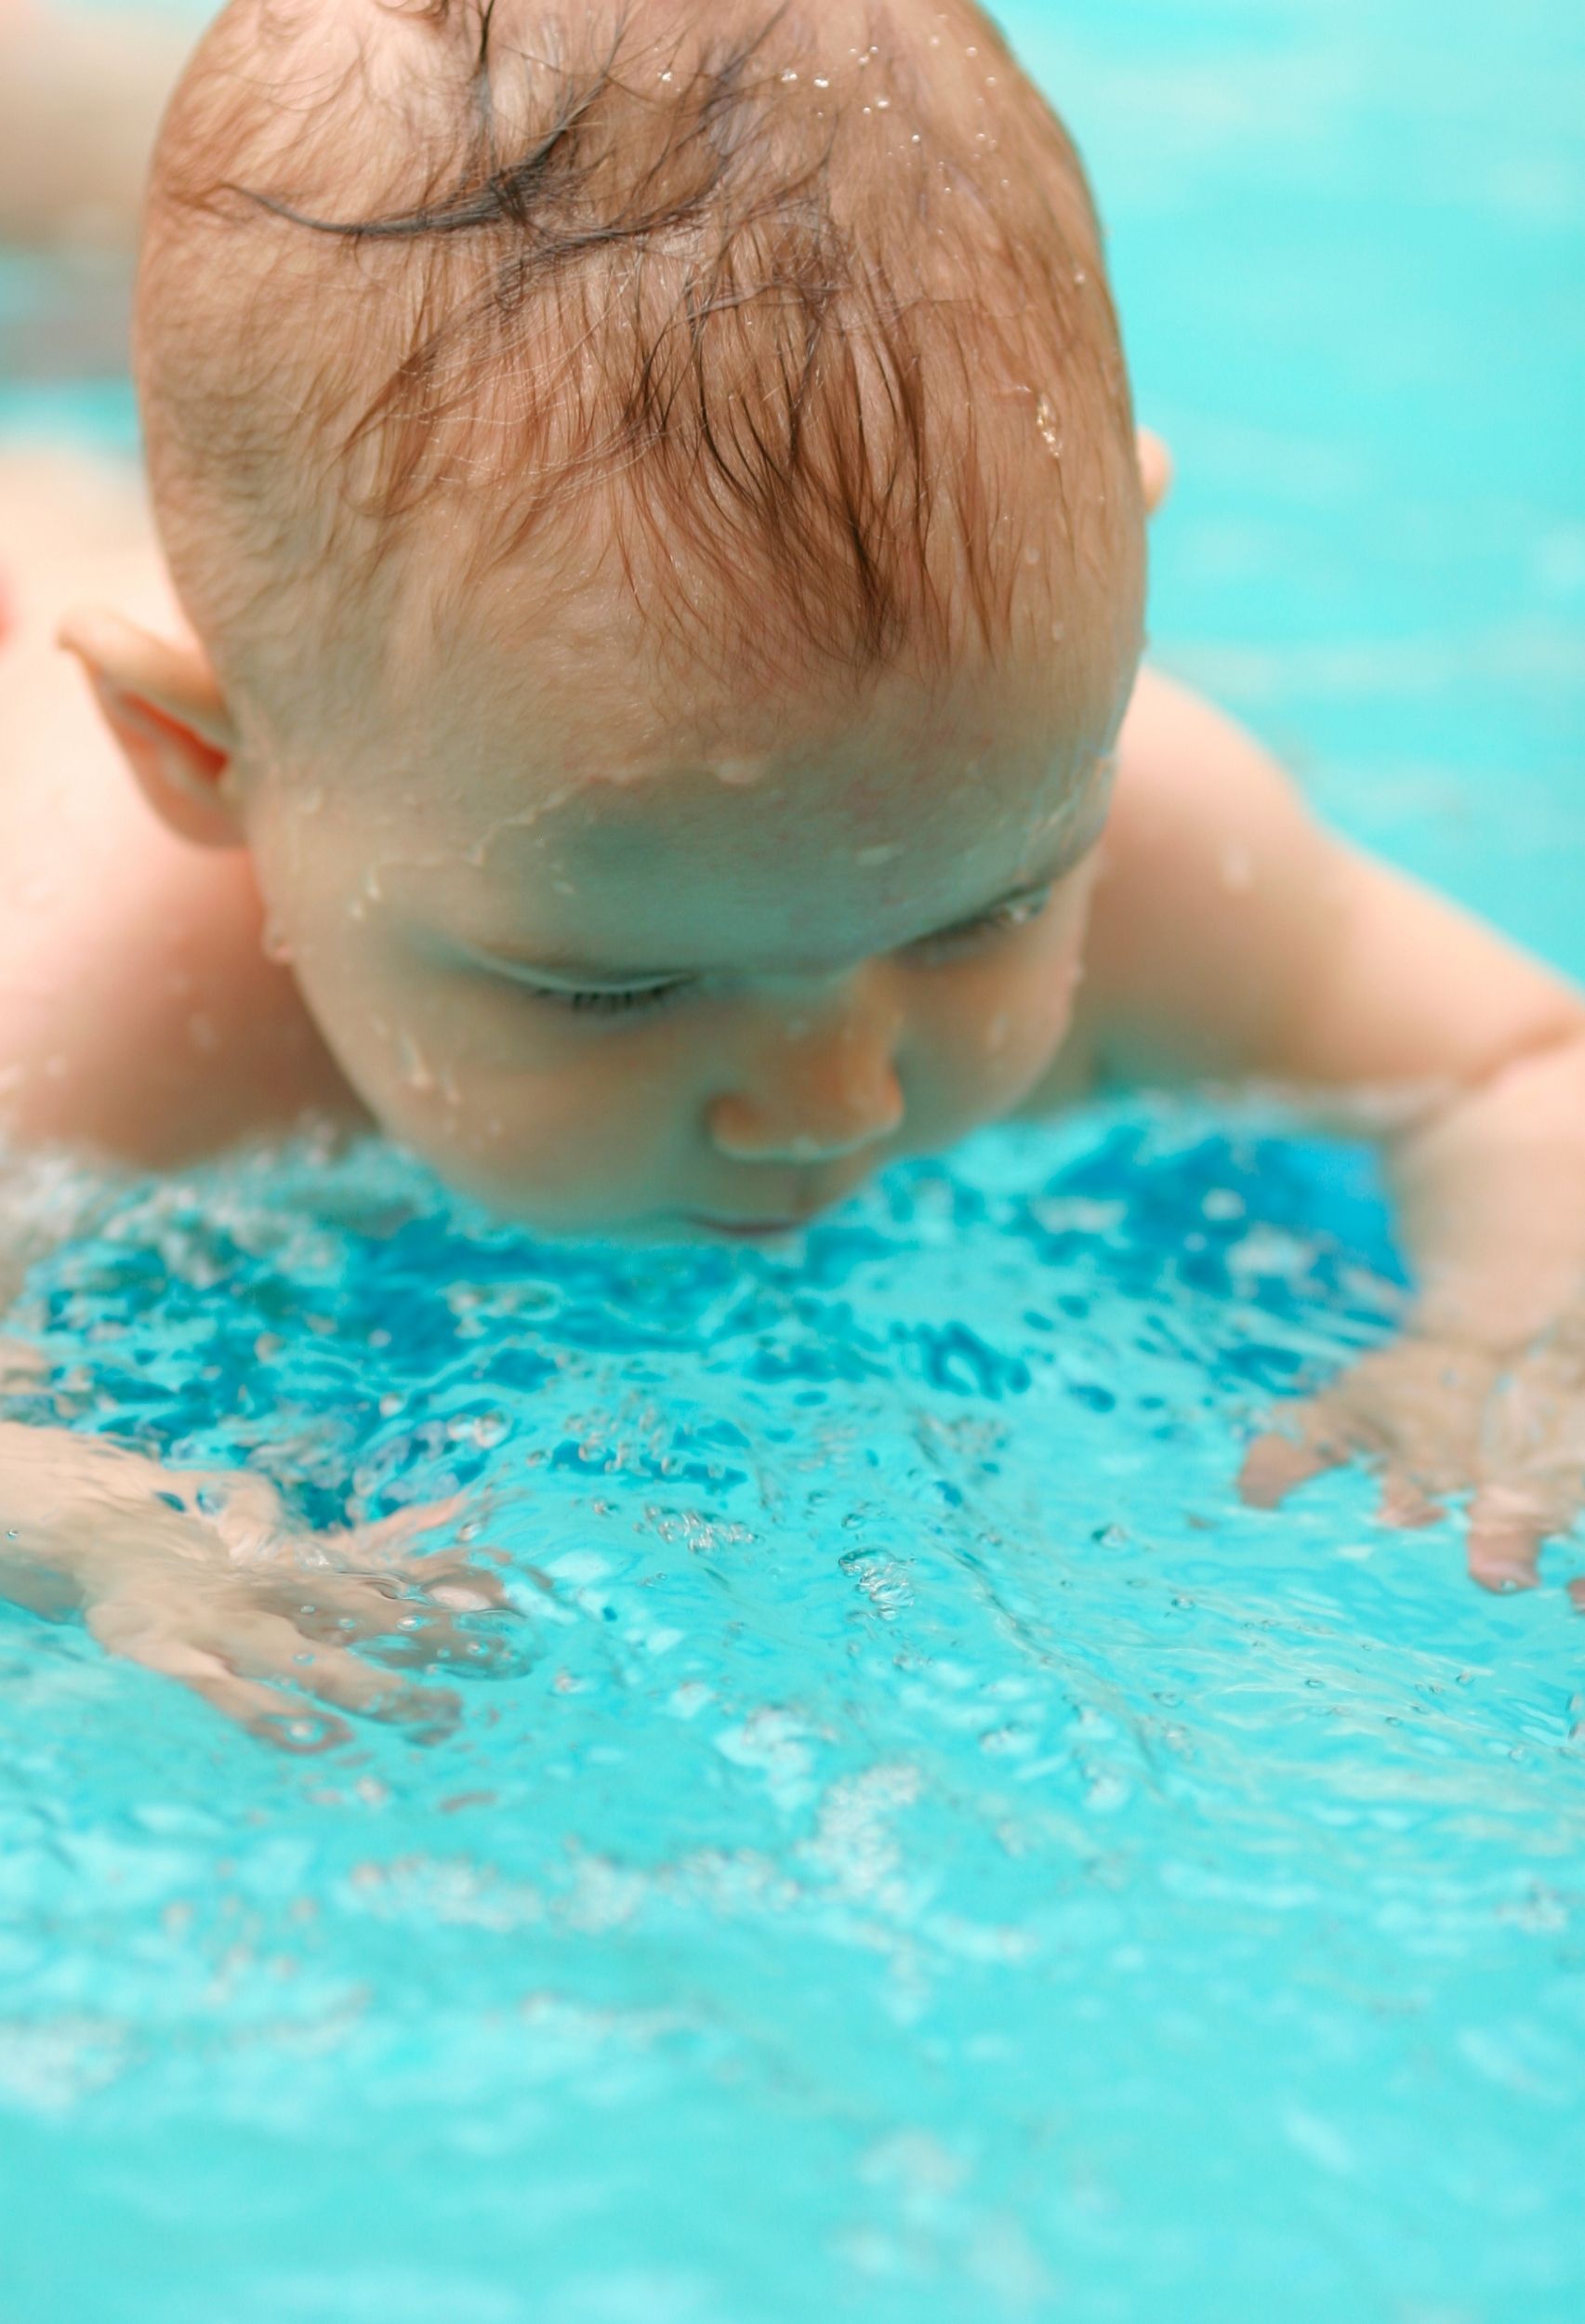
pixel 575 849
pixel 608 764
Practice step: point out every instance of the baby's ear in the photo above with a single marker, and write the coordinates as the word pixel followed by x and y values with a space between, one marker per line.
pixel 163 702
pixel 1154 469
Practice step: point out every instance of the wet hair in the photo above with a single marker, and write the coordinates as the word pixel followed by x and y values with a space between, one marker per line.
pixel 804 334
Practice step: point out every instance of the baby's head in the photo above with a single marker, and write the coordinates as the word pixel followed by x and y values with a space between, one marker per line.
pixel 655 489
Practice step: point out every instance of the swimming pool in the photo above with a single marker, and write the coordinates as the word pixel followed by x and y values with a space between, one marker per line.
pixel 932 1854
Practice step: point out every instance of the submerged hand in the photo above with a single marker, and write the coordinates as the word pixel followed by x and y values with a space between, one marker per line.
pixel 199 1575
pixel 1437 1419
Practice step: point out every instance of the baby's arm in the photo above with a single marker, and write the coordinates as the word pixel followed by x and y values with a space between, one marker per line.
pixel 138 1017
pixel 200 1576
pixel 1236 941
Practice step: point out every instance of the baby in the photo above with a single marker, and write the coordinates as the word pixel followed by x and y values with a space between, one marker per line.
pixel 655 722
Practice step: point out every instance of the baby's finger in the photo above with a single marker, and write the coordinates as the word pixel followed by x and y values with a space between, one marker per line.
pixel 257 1643
pixel 451 1582
pixel 1406 1504
pixel 1276 1465
pixel 404 1629
pixel 127 1630
pixel 244 1508
pixel 1507 1526
pixel 335 1676
pixel 434 1641
pixel 380 1542
pixel 269 1715
pixel 338 1608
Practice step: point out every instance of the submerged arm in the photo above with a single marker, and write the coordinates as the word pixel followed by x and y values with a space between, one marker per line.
pixel 199 1575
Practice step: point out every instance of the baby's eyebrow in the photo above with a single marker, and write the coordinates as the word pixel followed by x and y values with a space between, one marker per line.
pixel 593 976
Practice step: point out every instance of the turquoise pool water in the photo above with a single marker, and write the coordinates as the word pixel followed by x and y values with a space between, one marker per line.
pixel 930 1855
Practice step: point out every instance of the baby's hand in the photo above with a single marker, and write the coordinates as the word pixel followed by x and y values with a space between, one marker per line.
pixel 1437 1419
pixel 199 1575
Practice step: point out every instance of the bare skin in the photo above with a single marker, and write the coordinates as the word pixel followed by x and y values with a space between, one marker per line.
pixel 197 1575
pixel 1221 935
pixel 697 974
pixel 103 900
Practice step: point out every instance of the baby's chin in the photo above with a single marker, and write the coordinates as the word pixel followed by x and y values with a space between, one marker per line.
pixel 665 1224
pixel 679 1230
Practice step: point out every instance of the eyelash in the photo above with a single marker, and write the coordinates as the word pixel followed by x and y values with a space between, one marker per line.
pixel 1001 922
pixel 595 1002
pixel 615 1003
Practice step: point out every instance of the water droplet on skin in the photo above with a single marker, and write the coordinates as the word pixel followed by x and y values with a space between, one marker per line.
pixel 275 944
pixel 821 81
pixel 415 1072
pixel 788 77
pixel 872 858
pixel 1046 421
pixel 1032 557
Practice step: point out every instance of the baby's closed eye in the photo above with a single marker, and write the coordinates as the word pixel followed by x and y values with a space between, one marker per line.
pixel 618 1000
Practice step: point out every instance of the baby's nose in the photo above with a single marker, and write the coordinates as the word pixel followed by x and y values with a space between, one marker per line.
pixel 818 1087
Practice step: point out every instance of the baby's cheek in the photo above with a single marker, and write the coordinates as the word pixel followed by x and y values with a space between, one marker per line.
pixel 550 1129
pixel 985 1044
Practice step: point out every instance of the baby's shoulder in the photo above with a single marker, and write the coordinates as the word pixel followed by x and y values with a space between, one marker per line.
pixel 138 1014
pixel 1210 875
pixel 1204 821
